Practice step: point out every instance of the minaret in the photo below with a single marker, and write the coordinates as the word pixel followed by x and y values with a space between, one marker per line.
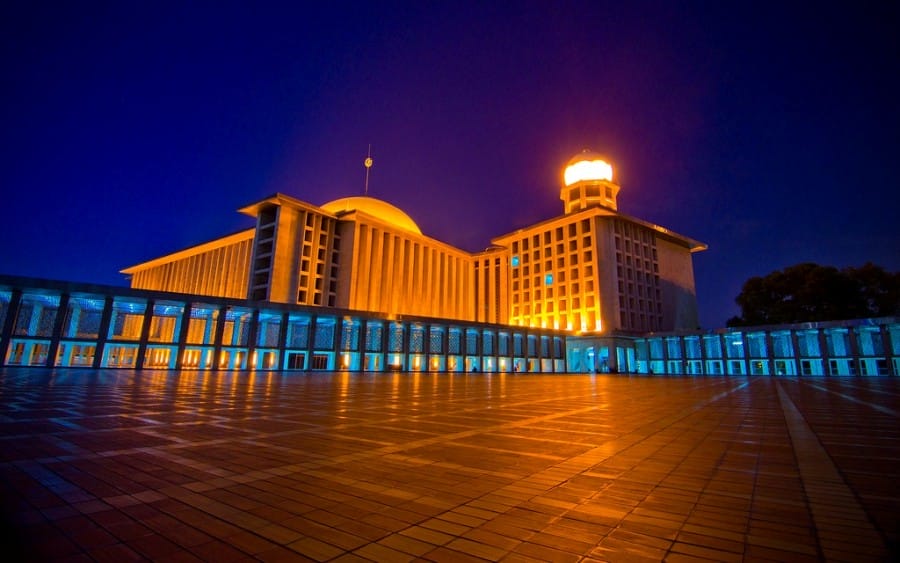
pixel 587 182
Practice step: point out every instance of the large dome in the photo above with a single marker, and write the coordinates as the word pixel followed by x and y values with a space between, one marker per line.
pixel 375 207
pixel 587 166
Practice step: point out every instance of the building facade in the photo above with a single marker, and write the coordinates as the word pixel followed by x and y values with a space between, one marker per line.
pixel 58 324
pixel 590 270
pixel 861 347
pixel 354 284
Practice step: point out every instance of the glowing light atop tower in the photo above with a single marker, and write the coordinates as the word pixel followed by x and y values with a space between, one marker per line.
pixel 588 170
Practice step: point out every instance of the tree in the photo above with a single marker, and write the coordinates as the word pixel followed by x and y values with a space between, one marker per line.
pixel 809 292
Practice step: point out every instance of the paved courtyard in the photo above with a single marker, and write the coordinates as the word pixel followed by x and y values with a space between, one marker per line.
pixel 167 466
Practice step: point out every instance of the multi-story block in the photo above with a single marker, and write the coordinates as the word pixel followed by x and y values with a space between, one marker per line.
pixel 591 270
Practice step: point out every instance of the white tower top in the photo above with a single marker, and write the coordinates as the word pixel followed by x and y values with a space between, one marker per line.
pixel 587 166
pixel 588 182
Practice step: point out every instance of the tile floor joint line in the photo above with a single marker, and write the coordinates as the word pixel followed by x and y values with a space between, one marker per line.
pixel 823 482
pixel 879 408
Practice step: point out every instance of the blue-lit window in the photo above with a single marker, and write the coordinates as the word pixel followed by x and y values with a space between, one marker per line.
pixel 548 279
pixel 515 261
pixel 374 336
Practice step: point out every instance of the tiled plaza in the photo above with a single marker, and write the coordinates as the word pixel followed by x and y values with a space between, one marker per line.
pixel 167 466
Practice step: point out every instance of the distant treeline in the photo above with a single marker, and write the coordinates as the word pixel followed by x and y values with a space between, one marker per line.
pixel 810 292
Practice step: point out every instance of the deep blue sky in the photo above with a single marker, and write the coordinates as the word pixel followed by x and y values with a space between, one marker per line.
pixel 132 129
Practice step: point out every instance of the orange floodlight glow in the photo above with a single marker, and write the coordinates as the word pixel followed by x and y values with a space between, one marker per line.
pixel 588 170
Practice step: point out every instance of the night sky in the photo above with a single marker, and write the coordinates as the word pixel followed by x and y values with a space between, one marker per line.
pixel 134 129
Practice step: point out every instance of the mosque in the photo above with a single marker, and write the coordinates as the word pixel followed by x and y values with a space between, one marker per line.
pixel 355 284
pixel 591 269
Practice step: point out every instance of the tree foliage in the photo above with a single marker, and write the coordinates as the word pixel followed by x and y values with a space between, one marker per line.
pixel 810 292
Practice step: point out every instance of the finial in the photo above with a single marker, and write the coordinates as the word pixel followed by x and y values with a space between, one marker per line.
pixel 368 164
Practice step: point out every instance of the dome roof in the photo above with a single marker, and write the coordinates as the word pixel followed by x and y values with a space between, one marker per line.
pixel 587 166
pixel 375 207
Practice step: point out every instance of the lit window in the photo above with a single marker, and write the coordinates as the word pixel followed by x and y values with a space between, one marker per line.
pixel 515 261
pixel 548 279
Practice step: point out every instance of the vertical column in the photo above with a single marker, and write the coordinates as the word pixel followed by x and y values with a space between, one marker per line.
pixel 613 357
pixel 823 351
pixel 703 358
pixel 684 361
pixel 853 341
pixel 217 339
pixel 665 355
pixel 888 348
pixel 361 344
pixel 311 341
pixel 770 351
pixel 427 347
pixel 183 334
pixel 252 337
pixel 337 342
pixel 725 353
pixel 445 346
pixel 58 322
pixel 383 346
pixel 103 331
pixel 145 334
pixel 745 360
pixel 9 324
pixel 282 340
pixel 405 346
pixel 795 349
pixel 496 349
pixel 208 330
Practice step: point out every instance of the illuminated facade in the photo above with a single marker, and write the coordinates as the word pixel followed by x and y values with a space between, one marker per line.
pixel 355 285
pixel 591 270
pixel 59 324
pixel 68 325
